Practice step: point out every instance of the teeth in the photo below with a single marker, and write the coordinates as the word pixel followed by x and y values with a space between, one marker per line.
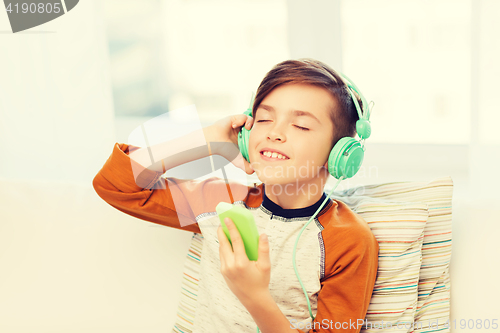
pixel 274 155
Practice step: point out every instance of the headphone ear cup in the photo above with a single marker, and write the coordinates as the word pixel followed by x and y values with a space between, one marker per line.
pixel 363 128
pixel 244 138
pixel 345 158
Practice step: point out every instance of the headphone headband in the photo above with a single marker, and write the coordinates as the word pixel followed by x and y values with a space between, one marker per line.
pixel 363 127
pixel 363 112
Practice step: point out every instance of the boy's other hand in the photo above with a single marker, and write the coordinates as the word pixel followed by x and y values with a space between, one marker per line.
pixel 248 280
pixel 223 139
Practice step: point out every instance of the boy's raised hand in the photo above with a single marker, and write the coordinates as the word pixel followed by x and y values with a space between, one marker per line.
pixel 223 138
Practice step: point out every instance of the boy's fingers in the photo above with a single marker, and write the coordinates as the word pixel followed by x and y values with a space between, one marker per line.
pixel 238 247
pixel 223 244
pixel 249 123
pixel 264 261
pixel 238 120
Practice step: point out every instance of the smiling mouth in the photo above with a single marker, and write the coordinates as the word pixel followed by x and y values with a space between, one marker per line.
pixel 277 157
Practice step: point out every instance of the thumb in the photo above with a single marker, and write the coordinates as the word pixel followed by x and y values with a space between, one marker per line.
pixel 248 166
pixel 241 163
pixel 264 261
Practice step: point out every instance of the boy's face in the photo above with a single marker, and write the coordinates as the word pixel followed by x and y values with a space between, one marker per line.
pixel 277 127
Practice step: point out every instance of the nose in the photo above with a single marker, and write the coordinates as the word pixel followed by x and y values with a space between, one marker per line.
pixel 277 132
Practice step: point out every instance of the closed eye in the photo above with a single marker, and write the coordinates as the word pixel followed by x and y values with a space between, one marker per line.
pixel 299 127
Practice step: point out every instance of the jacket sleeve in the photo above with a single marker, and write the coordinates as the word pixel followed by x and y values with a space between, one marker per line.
pixel 350 274
pixel 136 195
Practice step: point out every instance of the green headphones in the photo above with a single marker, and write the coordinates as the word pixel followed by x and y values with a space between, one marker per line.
pixel 347 155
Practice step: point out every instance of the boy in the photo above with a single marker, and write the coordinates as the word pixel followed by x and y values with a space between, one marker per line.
pixel 302 108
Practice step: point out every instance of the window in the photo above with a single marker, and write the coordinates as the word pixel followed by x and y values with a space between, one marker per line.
pixel 134 34
pixel 166 55
pixel 413 59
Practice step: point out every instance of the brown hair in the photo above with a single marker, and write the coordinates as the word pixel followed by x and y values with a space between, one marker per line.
pixel 315 72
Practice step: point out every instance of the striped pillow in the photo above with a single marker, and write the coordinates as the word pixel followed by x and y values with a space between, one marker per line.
pixel 399 230
pixel 189 287
pixel 433 305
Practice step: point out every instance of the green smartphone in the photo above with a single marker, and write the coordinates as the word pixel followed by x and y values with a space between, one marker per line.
pixel 245 223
